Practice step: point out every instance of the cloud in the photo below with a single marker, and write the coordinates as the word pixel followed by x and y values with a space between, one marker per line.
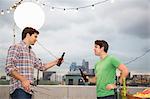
pixel 124 24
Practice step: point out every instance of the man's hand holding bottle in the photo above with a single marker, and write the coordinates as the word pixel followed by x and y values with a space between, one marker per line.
pixel 60 60
pixel 85 77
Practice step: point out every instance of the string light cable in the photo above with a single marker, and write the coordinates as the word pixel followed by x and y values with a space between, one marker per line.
pixel 147 51
pixel 75 8
pixel 2 59
pixel 14 6
pixel 49 52
pixel 11 8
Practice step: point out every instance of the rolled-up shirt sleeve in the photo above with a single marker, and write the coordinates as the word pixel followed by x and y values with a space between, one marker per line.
pixel 39 65
pixel 11 59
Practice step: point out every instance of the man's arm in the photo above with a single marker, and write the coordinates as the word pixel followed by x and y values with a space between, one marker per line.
pixel 25 83
pixel 38 64
pixel 51 64
pixel 124 72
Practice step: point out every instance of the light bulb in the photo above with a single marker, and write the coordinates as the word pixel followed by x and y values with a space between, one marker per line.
pixel 29 14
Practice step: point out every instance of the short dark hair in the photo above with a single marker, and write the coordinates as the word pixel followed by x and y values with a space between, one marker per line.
pixel 102 43
pixel 29 30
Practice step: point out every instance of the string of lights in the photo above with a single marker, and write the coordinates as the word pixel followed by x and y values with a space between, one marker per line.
pixel 147 51
pixel 11 8
pixel 74 8
pixel 14 6
pixel 50 53
pixel 136 58
pixel 2 59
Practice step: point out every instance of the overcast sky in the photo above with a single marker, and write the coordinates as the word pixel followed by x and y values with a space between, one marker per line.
pixel 124 24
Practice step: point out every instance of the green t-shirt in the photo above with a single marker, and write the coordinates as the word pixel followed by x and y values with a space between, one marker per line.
pixel 105 71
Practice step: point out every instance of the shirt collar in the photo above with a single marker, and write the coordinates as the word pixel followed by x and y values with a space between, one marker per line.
pixel 24 44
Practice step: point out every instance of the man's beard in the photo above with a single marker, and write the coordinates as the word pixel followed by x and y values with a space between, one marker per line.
pixel 33 43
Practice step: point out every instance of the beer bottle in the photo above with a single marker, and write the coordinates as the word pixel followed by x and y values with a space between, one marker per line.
pixel 124 89
pixel 60 59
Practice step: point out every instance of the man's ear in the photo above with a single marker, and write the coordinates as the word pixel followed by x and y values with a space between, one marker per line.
pixel 27 35
pixel 102 48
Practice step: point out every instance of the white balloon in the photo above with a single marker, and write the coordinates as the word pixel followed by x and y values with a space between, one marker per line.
pixel 29 14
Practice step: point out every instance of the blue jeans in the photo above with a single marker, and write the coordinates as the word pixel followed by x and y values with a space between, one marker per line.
pixel 20 94
pixel 107 97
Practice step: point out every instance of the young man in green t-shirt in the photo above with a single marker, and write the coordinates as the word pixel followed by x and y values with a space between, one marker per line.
pixel 105 71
